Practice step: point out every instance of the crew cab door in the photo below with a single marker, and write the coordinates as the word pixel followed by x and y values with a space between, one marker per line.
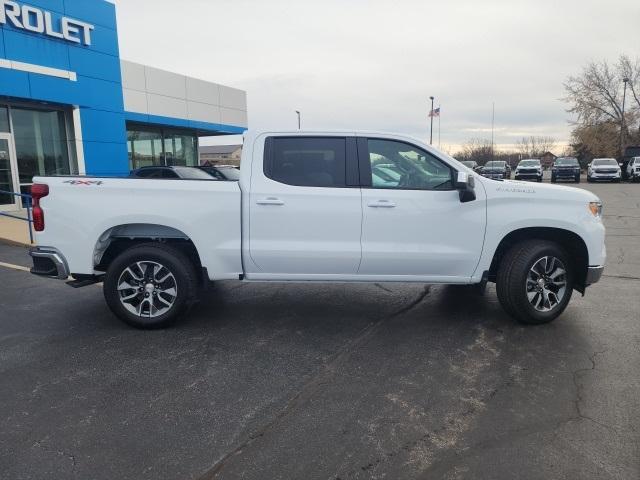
pixel 414 223
pixel 305 208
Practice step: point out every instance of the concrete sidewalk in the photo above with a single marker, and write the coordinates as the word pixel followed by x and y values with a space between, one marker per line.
pixel 14 231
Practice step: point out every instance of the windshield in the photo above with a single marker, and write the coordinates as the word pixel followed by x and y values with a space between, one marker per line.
pixel 191 173
pixel 567 161
pixel 495 164
pixel 529 163
pixel 610 162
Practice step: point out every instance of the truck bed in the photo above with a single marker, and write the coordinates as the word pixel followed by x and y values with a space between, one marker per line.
pixel 79 210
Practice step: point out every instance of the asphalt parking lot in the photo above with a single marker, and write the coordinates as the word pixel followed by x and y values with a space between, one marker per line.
pixel 326 381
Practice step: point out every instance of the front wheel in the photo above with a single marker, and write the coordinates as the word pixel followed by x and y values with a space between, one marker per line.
pixel 535 281
pixel 150 285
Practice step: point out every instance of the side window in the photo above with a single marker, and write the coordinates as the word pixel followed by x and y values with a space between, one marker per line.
pixel 307 161
pixel 402 166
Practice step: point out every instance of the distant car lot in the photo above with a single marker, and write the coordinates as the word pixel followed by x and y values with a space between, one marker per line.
pixel 326 381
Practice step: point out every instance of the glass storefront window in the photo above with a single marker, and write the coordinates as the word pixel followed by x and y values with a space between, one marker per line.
pixel 148 146
pixel 4 120
pixel 41 143
pixel 145 148
pixel 180 150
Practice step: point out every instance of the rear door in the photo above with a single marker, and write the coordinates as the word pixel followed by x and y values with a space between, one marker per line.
pixel 414 224
pixel 305 208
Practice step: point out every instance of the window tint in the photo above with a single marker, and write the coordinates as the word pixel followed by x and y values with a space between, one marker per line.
pixel 403 166
pixel 307 161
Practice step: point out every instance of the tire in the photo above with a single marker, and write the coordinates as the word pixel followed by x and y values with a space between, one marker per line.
pixel 512 283
pixel 577 180
pixel 553 179
pixel 589 179
pixel 175 287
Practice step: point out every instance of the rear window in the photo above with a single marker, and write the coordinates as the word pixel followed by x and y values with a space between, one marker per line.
pixel 306 161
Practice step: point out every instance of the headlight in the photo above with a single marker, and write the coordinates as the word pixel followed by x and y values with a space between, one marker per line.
pixel 596 209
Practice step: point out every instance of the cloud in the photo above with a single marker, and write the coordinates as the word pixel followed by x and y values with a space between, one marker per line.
pixel 372 64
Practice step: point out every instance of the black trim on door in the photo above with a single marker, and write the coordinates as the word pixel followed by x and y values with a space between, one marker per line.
pixel 353 171
pixel 364 162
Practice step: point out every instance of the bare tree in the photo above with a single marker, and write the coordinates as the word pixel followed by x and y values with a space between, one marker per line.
pixel 478 149
pixel 535 146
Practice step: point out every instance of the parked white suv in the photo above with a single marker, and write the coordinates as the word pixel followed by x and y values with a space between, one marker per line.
pixel 529 169
pixel 633 169
pixel 606 169
pixel 320 206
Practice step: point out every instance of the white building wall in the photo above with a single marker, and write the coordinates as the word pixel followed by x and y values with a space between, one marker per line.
pixel 152 91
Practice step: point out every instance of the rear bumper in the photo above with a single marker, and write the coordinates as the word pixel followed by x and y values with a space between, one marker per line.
pixel 49 262
pixel 593 275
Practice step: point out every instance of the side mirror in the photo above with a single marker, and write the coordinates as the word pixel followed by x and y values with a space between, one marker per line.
pixel 465 184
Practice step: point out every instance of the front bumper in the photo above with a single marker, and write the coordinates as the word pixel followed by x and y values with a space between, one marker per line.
pixel 49 262
pixel 593 275
pixel 528 175
pixel 566 173
pixel 605 176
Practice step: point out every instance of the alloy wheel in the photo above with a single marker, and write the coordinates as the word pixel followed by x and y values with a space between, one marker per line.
pixel 546 283
pixel 147 289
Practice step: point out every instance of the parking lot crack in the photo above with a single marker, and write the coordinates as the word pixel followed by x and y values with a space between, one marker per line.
pixel 314 385
pixel 578 402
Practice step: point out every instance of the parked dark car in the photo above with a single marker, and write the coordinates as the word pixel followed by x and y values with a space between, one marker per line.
pixel 496 169
pixel 529 169
pixel 166 173
pixel 472 164
pixel 565 168
pixel 227 173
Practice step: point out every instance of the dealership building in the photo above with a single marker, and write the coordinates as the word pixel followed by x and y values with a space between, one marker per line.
pixel 70 105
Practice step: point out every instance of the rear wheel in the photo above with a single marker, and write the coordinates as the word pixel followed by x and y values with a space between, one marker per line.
pixel 150 285
pixel 535 281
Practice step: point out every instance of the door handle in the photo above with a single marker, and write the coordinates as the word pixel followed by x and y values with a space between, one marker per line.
pixel 382 204
pixel 270 201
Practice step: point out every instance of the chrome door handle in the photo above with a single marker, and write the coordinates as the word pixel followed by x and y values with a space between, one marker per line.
pixel 382 204
pixel 270 201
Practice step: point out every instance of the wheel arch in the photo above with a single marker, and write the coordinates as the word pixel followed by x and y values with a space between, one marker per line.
pixel 119 238
pixel 571 242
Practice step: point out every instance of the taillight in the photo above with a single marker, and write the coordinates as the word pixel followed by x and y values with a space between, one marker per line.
pixel 38 191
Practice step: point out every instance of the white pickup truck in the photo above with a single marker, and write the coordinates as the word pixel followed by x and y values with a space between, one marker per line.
pixel 319 206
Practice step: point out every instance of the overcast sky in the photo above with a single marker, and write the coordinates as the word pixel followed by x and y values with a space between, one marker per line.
pixel 372 64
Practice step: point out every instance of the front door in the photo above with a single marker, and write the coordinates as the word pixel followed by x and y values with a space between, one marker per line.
pixel 414 224
pixel 305 213
pixel 8 175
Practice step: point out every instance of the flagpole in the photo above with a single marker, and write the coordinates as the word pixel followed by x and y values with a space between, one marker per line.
pixel 439 115
pixel 431 115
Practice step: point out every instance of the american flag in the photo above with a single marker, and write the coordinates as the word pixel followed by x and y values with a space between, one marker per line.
pixel 435 112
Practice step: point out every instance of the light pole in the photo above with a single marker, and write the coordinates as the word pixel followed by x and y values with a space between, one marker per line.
pixel 298 113
pixel 624 98
pixel 431 115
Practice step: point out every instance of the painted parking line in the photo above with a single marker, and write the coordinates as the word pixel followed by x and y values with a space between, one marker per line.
pixel 15 267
